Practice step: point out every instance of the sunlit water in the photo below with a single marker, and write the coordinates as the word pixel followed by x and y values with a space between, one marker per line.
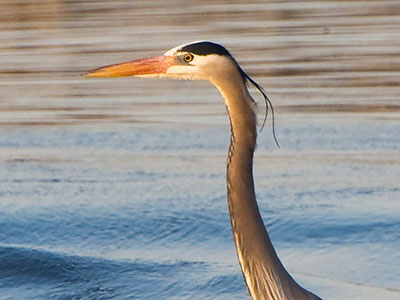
pixel 115 189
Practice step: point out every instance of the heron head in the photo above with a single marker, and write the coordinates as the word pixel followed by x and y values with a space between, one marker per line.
pixel 193 61
pixel 200 60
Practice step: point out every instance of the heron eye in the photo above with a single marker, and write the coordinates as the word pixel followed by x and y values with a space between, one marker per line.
pixel 188 57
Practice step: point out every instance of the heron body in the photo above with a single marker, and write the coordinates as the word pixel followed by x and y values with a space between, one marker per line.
pixel 265 276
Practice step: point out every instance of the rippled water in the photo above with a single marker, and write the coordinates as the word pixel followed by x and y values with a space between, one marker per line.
pixel 115 189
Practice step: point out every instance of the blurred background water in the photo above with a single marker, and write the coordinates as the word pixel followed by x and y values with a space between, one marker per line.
pixel 115 189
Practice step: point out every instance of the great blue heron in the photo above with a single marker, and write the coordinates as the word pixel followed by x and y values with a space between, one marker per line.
pixel 264 274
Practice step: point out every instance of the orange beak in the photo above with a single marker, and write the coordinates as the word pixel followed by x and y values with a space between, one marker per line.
pixel 145 66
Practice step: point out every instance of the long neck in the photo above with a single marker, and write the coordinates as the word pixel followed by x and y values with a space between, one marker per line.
pixel 265 276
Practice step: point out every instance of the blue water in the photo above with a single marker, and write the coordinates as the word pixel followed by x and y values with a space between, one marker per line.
pixel 139 211
pixel 122 194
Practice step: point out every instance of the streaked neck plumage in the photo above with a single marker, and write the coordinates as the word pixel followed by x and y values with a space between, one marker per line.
pixel 265 276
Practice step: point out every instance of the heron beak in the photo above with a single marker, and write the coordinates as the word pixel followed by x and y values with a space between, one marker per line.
pixel 141 67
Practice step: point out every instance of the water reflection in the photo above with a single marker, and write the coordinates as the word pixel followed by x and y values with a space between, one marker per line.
pixel 302 52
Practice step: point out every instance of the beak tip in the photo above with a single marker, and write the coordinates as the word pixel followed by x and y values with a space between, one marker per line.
pixel 93 74
pixel 89 74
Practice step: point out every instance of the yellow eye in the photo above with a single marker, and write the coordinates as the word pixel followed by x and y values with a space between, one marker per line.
pixel 188 57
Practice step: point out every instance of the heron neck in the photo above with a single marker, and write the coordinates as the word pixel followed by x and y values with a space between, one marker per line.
pixel 265 276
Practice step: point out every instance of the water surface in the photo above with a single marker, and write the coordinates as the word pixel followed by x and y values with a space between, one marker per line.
pixel 115 189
